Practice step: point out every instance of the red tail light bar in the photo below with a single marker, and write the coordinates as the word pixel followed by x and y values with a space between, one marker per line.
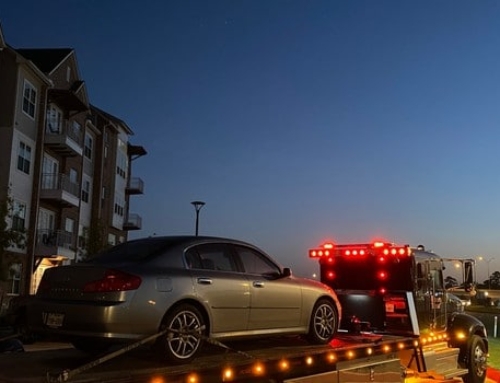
pixel 360 250
pixel 113 281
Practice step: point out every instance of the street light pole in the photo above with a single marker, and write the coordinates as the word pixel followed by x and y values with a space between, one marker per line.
pixel 197 206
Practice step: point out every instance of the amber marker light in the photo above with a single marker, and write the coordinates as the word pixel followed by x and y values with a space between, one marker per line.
pixel 350 354
pixel 309 360
pixel 331 357
pixel 284 365
pixel 387 348
pixel 369 351
pixel 157 379
pixel 227 374
pixel 192 378
pixel 401 346
pixel 258 369
pixel 415 343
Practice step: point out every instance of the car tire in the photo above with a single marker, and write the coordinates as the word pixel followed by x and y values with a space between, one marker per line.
pixel 324 322
pixel 185 341
pixel 90 346
pixel 475 360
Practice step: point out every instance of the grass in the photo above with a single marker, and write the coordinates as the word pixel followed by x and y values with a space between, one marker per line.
pixel 494 351
pixel 486 315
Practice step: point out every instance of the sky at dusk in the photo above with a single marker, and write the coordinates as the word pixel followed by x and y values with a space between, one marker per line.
pixel 298 121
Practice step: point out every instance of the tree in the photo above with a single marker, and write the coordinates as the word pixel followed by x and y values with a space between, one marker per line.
pixel 94 240
pixel 10 234
pixel 495 280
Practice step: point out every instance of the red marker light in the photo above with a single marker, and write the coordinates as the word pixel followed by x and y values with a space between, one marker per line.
pixel 381 259
pixel 347 252
pixel 328 245
pixel 378 244
pixel 382 275
pixel 383 290
pixel 331 275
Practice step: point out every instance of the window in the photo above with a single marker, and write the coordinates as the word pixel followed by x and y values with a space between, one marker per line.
pixel 119 207
pixel 68 73
pixel 54 120
pixel 29 99
pixel 18 216
pixel 89 144
pixel 24 158
pixel 70 224
pixel 15 271
pixel 256 263
pixel 211 257
pixel 76 131
pixel 85 191
pixel 111 239
pixel 122 159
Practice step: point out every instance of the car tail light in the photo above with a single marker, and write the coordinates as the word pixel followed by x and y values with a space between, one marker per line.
pixel 113 280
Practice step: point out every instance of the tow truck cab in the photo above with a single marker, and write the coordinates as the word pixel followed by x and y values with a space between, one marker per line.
pixel 391 289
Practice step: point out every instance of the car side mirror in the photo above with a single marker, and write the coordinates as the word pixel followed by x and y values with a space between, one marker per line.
pixel 287 272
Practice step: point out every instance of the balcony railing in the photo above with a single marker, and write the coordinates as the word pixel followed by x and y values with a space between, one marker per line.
pixel 58 187
pixel 64 137
pixel 54 242
pixel 135 186
pixel 133 222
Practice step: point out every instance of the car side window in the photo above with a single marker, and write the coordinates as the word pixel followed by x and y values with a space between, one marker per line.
pixel 211 257
pixel 193 260
pixel 257 263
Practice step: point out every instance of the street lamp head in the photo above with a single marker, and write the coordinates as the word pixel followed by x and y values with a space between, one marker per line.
pixel 198 204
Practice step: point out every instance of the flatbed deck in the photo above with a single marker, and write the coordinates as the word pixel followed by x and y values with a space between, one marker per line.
pixel 247 359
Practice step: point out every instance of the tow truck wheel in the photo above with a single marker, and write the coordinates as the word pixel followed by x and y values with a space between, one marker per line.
pixel 475 360
pixel 324 322
pixel 184 341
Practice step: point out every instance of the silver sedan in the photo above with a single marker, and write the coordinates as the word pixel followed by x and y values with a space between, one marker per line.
pixel 195 287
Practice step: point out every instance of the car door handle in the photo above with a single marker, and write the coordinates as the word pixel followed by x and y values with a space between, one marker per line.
pixel 205 281
pixel 258 284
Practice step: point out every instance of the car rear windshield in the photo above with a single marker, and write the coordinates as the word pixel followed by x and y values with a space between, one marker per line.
pixel 135 251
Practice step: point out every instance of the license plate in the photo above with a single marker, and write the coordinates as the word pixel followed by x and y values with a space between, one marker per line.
pixel 53 319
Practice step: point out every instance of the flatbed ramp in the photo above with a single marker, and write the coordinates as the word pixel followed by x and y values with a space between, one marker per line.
pixel 271 360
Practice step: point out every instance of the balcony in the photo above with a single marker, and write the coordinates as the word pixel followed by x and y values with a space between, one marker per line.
pixel 57 188
pixel 64 137
pixel 135 186
pixel 133 222
pixel 54 242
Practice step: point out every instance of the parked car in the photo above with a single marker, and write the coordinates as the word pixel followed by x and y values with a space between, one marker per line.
pixel 194 286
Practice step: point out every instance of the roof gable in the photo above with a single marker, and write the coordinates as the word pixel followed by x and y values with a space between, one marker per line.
pixel 2 39
pixel 47 59
pixel 112 119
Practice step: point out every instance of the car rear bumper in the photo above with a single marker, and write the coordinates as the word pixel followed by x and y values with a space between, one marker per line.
pixel 106 320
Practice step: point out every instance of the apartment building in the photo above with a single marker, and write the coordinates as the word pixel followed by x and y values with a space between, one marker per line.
pixel 65 164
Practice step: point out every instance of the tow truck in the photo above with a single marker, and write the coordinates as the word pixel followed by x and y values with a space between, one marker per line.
pixel 392 289
pixel 397 327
